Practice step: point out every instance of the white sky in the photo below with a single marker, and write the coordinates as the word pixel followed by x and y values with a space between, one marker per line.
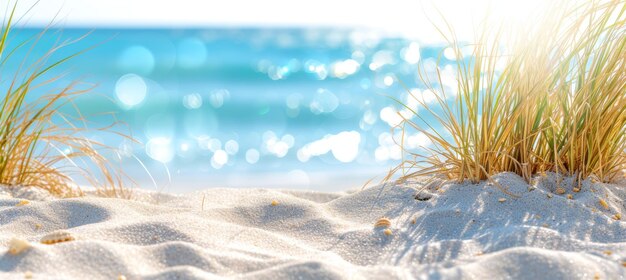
pixel 406 17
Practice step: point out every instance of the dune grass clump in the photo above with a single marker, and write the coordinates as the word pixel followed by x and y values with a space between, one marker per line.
pixel 548 96
pixel 40 146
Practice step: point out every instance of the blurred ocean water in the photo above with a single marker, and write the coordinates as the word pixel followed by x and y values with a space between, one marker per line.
pixel 298 108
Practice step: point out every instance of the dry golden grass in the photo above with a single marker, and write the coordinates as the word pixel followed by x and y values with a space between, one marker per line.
pixel 35 136
pixel 550 96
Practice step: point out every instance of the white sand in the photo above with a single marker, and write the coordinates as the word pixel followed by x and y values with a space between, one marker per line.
pixel 462 231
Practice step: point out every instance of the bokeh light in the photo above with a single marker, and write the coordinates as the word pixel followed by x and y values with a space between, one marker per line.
pixel 252 156
pixel 137 59
pixel 160 149
pixel 131 90
pixel 297 102
pixel 191 53
pixel 192 101
pixel 324 101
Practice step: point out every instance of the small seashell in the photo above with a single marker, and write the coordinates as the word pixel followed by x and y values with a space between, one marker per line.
pixel 624 263
pixel 413 221
pixel 382 222
pixel 28 275
pixel 607 252
pixel 274 203
pixel 57 237
pixel 17 246
pixel 22 202
pixel 617 216
pixel 121 277
pixel 569 196
pixel 387 232
pixel 545 225
pixel 479 254
pixel 560 190
pixel 549 195
pixel 604 204
pixel 502 199
pixel 38 226
pixel 537 216
pixel 576 189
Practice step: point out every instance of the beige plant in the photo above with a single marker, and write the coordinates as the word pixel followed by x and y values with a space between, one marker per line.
pixel 40 146
pixel 550 96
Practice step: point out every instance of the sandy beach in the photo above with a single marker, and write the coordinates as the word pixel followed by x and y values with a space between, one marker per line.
pixel 232 140
pixel 468 231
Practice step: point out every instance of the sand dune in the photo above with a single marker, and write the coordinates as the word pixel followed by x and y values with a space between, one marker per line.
pixel 457 231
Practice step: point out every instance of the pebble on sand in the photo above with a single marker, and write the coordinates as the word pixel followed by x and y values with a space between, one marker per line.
pixel 17 246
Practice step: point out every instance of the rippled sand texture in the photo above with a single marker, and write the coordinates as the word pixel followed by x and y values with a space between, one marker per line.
pixel 455 231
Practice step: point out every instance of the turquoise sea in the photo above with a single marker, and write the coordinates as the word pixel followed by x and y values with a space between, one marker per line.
pixel 297 108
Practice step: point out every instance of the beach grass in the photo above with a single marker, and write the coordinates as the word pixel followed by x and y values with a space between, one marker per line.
pixel 39 145
pixel 549 96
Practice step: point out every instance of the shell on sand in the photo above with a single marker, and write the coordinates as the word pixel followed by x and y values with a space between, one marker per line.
pixel 17 246
pixel 22 202
pixel 502 199
pixel 387 232
pixel 604 204
pixel 383 222
pixel 560 190
pixel 57 237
